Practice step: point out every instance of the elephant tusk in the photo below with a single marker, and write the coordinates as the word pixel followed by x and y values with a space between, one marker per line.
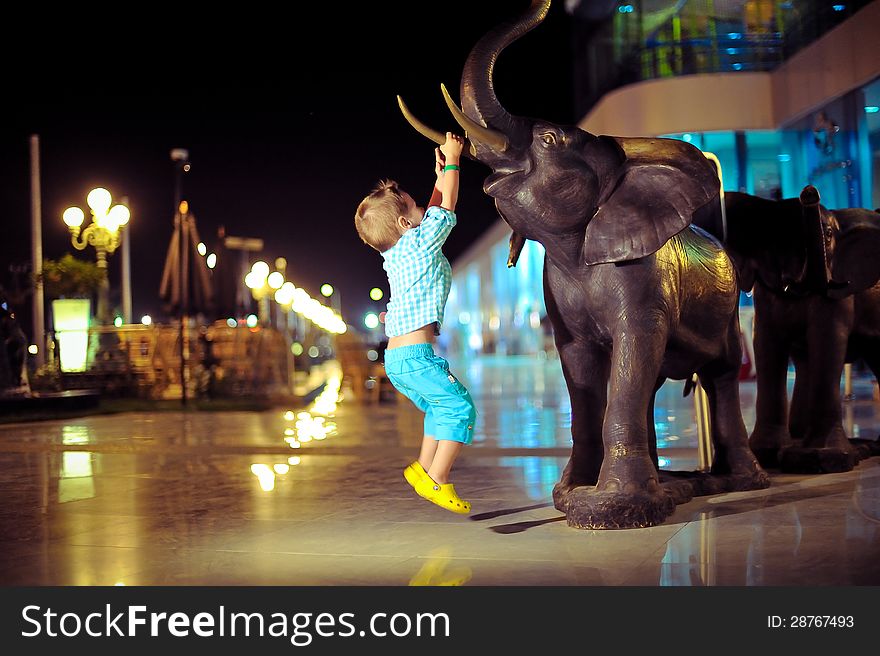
pixel 494 140
pixel 517 241
pixel 420 127
pixel 434 135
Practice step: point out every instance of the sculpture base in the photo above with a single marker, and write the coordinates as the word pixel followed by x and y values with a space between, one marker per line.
pixel 807 460
pixel 586 508
pixel 866 448
pixel 705 483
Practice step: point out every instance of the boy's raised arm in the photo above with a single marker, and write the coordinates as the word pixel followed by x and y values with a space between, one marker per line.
pixel 451 150
pixel 437 193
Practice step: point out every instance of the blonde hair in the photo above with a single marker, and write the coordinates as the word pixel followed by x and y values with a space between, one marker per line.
pixel 376 216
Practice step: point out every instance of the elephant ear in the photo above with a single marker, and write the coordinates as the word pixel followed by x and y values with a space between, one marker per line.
pixel 855 264
pixel 657 189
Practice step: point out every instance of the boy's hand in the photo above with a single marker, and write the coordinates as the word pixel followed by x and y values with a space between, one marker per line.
pixel 439 163
pixel 452 148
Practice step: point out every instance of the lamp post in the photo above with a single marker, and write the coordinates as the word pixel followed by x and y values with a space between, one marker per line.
pixel 102 233
pixel 180 157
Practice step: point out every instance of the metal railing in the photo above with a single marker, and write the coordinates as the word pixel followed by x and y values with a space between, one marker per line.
pixel 144 361
pixel 700 37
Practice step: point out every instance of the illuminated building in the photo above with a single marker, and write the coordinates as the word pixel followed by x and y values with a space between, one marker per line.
pixel 785 94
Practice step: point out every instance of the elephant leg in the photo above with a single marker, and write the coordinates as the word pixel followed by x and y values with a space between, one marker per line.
pixel 628 493
pixel 799 416
pixel 652 430
pixel 734 460
pixel 772 347
pixel 585 368
pixel 825 447
pixel 871 355
pixel 827 337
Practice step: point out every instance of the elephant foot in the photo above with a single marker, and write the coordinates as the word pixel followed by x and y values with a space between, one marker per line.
pixel 810 460
pixel 766 442
pixel 677 486
pixel 734 482
pixel 560 496
pixel 589 508
pixel 831 438
pixel 574 476
pixel 739 469
pixel 768 457
pixel 704 484
pixel 865 448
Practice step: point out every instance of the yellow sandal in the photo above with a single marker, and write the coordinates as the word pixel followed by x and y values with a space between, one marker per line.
pixel 414 473
pixel 442 495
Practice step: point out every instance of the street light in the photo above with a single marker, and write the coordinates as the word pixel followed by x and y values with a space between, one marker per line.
pixel 265 286
pixel 257 281
pixel 102 233
pixel 330 292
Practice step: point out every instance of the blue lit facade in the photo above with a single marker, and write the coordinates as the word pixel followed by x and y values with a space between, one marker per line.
pixel 494 309
pixel 836 149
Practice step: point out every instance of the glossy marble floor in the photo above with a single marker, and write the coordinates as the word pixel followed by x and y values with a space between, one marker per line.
pixel 279 498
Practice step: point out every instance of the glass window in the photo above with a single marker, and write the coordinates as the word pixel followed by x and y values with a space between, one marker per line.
pixel 827 143
pixel 720 144
pixel 723 145
pixel 763 163
pixel 869 144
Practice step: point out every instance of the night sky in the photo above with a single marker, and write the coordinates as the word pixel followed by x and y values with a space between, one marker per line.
pixel 289 122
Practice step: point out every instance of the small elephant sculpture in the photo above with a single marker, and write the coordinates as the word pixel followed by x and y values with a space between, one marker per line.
pixel 815 275
pixel 635 293
pixel 13 345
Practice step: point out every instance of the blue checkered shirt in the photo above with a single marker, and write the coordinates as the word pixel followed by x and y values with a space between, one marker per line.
pixel 419 274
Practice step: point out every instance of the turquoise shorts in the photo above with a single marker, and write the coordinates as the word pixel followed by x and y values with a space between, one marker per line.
pixel 424 379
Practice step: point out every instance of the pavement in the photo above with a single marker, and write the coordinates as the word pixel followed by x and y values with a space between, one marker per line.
pixel 315 496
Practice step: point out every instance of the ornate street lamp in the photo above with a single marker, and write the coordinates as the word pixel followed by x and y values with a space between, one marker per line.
pixel 102 233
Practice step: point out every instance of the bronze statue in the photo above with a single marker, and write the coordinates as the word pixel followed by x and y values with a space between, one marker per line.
pixel 816 278
pixel 13 352
pixel 635 293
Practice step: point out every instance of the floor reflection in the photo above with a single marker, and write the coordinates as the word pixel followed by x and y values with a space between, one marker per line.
pixel 782 535
pixel 303 427
pixel 77 468
pixel 523 403
pixel 439 570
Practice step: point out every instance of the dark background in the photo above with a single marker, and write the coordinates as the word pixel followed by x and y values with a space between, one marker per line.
pixel 289 122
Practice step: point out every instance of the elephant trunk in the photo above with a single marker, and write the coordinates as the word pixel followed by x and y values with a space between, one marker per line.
pixel 816 271
pixel 478 99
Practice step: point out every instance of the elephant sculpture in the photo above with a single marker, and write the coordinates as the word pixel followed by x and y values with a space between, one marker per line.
pixel 815 276
pixel 634 292
pixel 12 353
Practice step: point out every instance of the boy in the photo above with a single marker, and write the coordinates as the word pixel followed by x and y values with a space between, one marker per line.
pixel 409 239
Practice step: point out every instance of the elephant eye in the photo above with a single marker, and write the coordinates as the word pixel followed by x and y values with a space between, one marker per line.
pixel 548 138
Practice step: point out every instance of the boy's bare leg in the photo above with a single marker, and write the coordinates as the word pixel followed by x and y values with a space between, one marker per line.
pixel 446 453
pixel 429 448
